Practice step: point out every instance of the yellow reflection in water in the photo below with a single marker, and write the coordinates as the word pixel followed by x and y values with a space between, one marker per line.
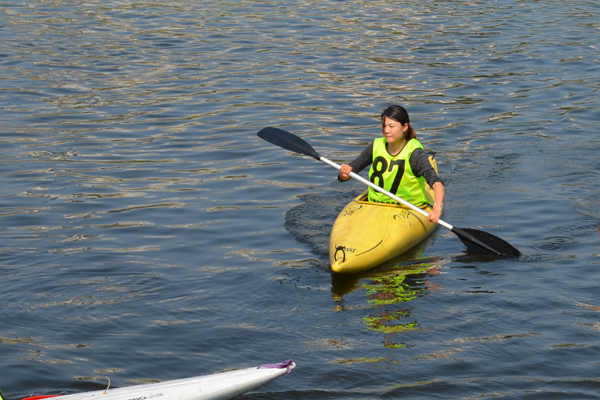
pixel 388 296
pixel 384 292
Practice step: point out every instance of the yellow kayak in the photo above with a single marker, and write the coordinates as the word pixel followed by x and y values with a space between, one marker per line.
pixel 367 234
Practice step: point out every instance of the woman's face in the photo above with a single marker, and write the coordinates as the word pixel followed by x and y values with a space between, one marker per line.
pixel 393 130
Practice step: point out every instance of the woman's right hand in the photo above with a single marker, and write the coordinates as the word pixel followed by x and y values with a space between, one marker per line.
pixel 345 170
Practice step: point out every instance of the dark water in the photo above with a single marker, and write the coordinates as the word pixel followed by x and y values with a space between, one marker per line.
pixel 148 234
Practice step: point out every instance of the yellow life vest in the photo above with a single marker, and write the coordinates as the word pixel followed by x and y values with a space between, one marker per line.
pixel 393 173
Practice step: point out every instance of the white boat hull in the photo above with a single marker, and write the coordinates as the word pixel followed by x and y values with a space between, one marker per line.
pixel 220 386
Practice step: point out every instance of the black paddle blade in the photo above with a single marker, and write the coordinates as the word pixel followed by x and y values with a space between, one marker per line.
pixel 288 141
pixel 485 243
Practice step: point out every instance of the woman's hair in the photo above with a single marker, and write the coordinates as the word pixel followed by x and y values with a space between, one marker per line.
pixel 398 113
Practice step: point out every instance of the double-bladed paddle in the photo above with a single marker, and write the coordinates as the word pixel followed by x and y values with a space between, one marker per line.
pixel 476 240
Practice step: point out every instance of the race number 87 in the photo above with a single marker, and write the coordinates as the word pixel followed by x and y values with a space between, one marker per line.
pixel 380 166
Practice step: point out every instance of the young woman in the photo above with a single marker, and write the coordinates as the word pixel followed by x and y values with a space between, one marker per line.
pixel 399 164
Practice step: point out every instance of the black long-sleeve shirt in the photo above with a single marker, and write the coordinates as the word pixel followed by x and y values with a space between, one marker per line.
pixel 419 163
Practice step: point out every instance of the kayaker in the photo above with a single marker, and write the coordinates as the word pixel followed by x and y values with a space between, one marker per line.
pixel 389 169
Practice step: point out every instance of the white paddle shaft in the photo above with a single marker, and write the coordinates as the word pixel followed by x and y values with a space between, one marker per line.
pixel 381 190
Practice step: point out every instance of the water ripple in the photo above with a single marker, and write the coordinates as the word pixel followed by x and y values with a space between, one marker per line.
pixel 138 205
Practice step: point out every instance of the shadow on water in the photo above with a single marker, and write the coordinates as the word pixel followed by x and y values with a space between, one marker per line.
pixel 311 221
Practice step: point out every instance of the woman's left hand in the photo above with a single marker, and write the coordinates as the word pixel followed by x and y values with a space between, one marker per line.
pixel 438 205
pixel 435 214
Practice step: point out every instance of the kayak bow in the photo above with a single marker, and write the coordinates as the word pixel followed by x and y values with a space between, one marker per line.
pixel 219 386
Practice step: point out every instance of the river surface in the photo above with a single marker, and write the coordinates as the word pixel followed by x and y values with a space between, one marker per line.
pixel 148 234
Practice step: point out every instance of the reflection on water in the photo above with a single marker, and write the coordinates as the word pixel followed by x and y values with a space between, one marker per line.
pixel 388 293
pixel 383 294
